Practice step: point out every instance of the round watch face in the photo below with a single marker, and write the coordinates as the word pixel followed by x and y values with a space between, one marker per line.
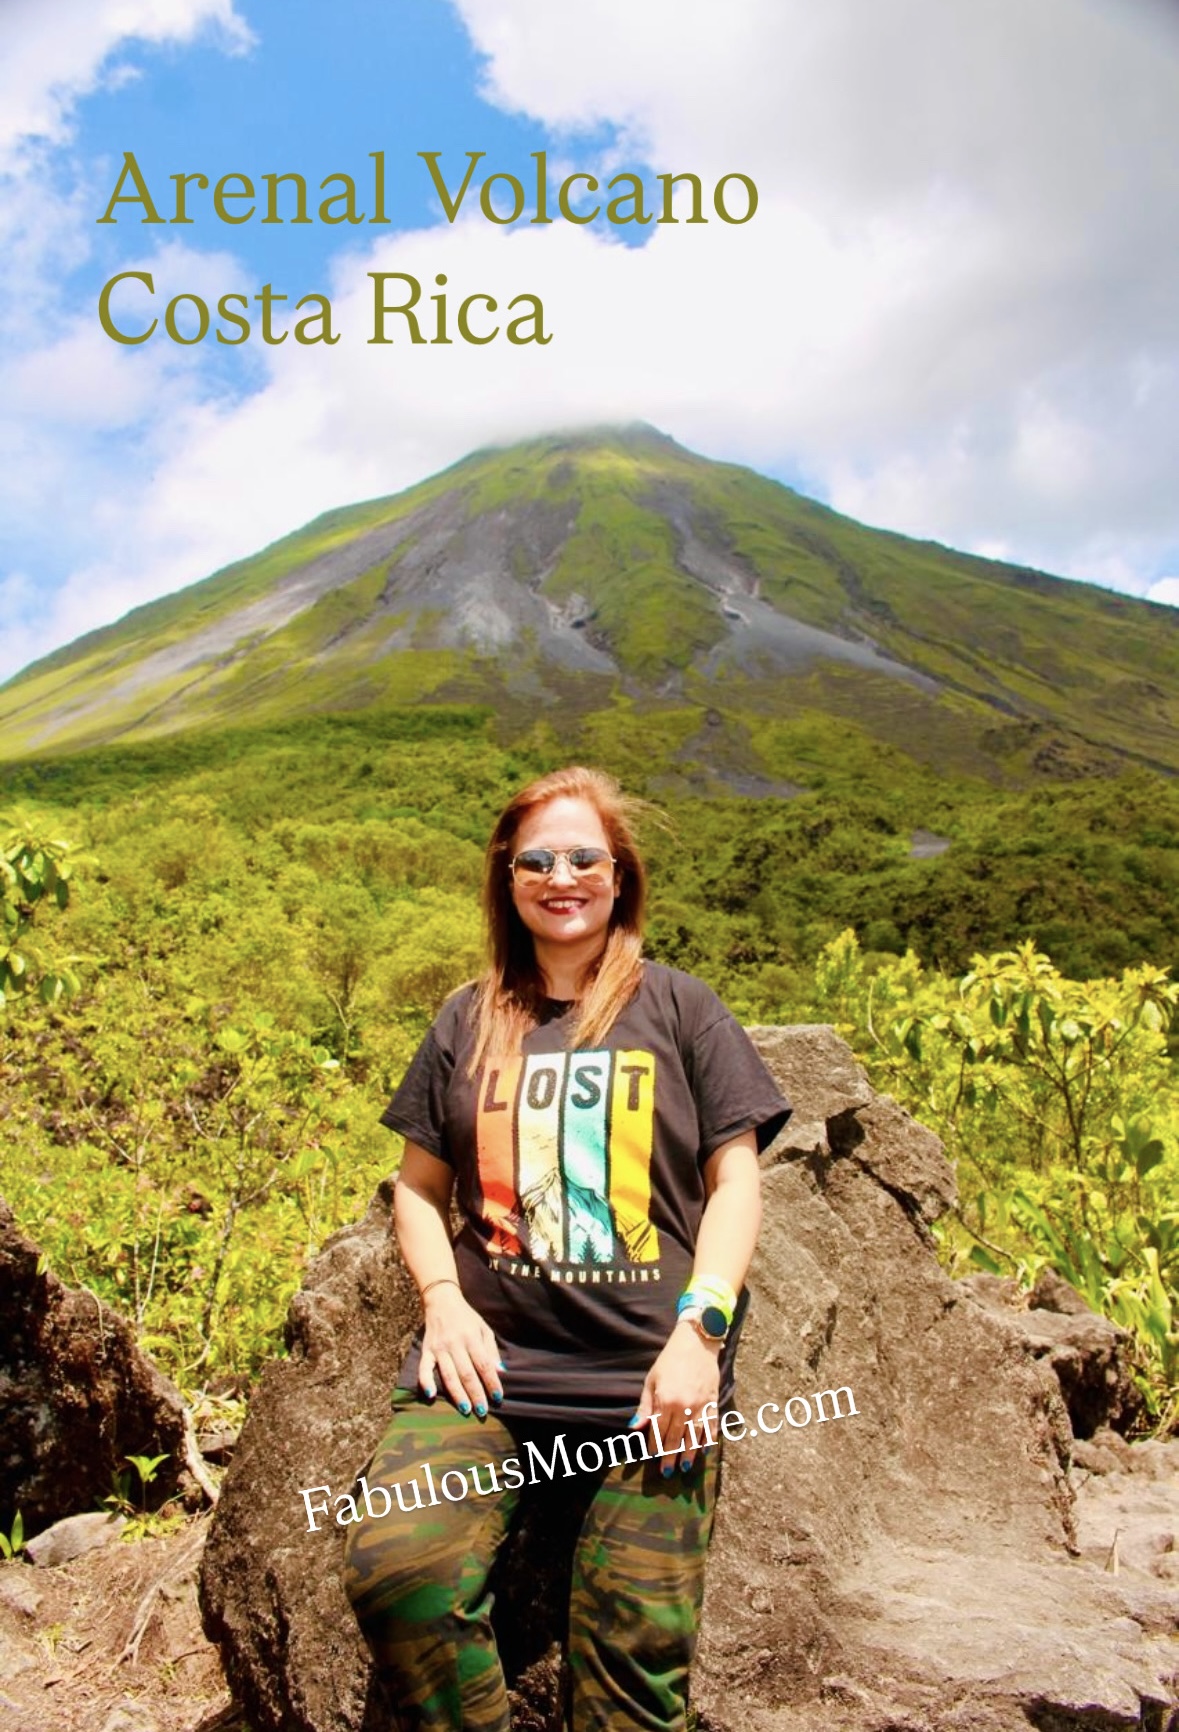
pixel 713 1322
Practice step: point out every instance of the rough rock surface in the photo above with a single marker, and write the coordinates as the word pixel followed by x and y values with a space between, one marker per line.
pixel 73 1536
pixel 912 1567
pixel 1090 1356
pixel 76 1395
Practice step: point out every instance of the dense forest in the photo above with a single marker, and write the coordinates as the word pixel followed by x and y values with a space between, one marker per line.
pixel 220 950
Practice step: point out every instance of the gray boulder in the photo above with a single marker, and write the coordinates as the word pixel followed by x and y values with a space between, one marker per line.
pixel 73 1536
pixel 896 1545
pixel 1090 1357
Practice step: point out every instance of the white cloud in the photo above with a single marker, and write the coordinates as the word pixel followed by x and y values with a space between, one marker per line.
pixel 954 307
pixel 991 192
pixel 1165 590
pixel 54 54
pixel 63 391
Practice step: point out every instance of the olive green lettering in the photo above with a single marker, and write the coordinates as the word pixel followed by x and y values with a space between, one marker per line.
pixel 273 182
pixel 465 330
pixel 104 303
pixel 181 182
pixel 535 318
pixel 634 197
pixel 449 205
pixel 323 318
pixel 347 198
pixel 669 181
pixel 381 311
pixel 718 198
pixel 486 203
pixel 243 325
pixel 139 196
pixel 220 194
pixel 572 216
pixel 173 329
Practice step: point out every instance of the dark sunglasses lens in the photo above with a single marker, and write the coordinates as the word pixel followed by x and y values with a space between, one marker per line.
pixel 536 862
pixel 585 859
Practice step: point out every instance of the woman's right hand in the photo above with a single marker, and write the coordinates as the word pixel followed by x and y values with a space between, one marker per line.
pixel 459 1348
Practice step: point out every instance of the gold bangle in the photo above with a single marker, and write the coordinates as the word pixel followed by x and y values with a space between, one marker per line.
pixel 440 1281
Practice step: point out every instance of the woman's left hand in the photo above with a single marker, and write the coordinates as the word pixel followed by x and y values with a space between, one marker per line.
pixel 683 1382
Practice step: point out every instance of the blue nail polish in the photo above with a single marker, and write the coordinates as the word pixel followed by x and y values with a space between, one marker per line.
pixel 497 1396
pixel 686 1465
pixel 464 1408
pixel 501 1366
pixel 480 1410
pixel 634 1420
pixel 669 1470
pixel 430 1393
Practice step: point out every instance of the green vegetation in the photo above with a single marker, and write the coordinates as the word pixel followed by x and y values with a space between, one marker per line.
pixel 1058 1102
pixel 1035 677
pixel 274 907
pixel 267 919
pixel 138 1521
pixel 33 869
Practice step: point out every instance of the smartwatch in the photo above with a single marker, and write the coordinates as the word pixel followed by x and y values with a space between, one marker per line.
pixel 709 1322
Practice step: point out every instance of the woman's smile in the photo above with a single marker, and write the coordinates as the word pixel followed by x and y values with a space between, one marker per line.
pixel 563 904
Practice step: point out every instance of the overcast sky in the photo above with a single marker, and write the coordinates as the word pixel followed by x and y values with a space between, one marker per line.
pixel 955 312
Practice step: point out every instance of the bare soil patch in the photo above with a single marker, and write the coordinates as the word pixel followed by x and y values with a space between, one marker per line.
pixel 112 1642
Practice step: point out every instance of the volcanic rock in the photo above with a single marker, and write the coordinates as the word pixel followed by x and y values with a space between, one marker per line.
pixel 896 1544
pixel 77 1397
pixel 1090 1356
pixel 73 1536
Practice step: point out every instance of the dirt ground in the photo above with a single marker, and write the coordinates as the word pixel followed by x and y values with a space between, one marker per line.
pixel 111 1642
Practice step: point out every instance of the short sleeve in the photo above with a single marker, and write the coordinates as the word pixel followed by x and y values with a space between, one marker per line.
pixel 418 1109
pixel 734 1091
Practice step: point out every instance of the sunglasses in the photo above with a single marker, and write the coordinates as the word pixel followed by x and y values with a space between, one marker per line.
pixel 588 865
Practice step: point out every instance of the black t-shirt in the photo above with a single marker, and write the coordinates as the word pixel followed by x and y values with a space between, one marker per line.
pixel 579 1178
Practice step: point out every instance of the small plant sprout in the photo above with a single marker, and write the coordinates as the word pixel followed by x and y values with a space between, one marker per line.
pixel 13 1542
pixel 146 1466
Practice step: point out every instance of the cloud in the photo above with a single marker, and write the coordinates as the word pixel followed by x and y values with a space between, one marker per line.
pixel 858 108
pixel 990 193
pixel 953 310
pixel 55 54
pixel 63 393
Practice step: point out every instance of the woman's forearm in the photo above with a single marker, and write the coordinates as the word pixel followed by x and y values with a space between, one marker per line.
pixel 457 1345
pixel 422 1226
pixel 732 1215
pixel 685 1377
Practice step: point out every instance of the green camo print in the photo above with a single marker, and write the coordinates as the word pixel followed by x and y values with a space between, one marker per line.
pixel 418 1580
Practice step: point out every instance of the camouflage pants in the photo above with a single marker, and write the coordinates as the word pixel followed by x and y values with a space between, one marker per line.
pixel 417 1574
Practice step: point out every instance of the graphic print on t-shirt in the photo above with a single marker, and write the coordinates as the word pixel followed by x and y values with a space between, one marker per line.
pixel 564 1146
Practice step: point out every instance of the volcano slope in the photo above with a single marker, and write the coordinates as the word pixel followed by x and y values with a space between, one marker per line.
pixel 578 573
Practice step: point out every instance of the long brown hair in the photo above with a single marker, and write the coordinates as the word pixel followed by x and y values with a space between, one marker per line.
pixel 509 994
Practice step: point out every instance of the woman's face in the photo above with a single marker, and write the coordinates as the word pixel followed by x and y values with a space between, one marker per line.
pixel 563 908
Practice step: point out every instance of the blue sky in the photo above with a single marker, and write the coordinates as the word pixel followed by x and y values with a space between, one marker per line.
pixel 399 79
pixel 954 312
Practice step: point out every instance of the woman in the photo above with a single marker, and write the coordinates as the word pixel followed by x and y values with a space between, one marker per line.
pixel 598 1118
